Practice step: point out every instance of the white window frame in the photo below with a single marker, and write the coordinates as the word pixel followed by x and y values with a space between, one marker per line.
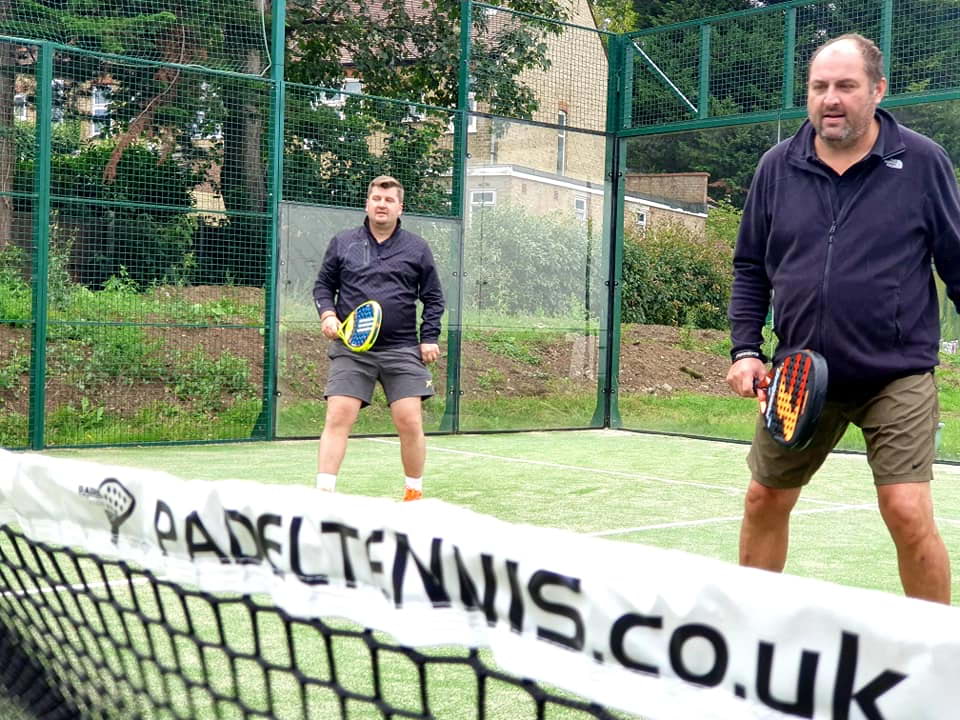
pixel 474 194
pixel 338 100
pixel 99 109
pixel 561 142
pixel 471 119
pixel 198 133
pixel 59 91
pixel 20 107
pixel 580 207
pixel 640 219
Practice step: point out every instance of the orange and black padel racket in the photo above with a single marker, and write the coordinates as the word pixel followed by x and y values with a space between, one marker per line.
pixel 796 389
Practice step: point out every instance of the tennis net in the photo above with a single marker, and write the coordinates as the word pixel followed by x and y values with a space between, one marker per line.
pixel 133 593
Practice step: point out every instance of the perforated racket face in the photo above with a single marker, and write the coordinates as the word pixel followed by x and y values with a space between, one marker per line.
pixel 795 398
pixel 361 327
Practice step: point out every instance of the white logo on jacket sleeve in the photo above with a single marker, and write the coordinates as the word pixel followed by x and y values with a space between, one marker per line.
pixel 895 163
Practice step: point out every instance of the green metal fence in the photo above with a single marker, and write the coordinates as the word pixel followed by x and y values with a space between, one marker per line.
pixel 166 195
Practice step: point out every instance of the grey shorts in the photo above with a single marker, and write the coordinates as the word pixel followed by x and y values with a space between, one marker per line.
pixel 899 425
pixel 400 371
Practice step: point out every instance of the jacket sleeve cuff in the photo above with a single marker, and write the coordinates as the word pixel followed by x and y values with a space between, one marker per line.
pixel 743 353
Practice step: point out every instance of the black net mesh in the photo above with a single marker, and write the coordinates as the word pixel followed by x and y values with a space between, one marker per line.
pixel 86 637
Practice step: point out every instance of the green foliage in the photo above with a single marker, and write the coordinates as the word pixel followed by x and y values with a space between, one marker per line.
pixel 511 346
pixel 524 264
pixel 671 276
pixel 90 356
pixel 208 383
pixel 376 36
pixel 377 139
pixel 87 417
pixel 15 293
pixel 18 364
pixel 13 433
pixel 723 223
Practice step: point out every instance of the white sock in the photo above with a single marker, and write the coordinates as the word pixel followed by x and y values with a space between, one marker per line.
pixel 326 481
pixel 414 483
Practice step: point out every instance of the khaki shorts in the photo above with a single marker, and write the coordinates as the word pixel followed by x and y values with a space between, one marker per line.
pixel 400 370
pixel 899 425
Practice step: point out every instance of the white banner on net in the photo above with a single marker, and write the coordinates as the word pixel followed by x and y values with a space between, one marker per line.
pixel 655 632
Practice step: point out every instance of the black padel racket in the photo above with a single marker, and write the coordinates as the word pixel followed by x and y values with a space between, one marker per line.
pixel 796 390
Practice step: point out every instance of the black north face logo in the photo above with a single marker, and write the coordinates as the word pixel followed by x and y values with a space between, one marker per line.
pixel 118 504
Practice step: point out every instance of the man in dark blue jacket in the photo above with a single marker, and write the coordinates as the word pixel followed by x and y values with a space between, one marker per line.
pixel 379 261
pixel 841 228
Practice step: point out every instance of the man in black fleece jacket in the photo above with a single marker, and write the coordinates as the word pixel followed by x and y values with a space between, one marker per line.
pixel 841 228
pixel 379 261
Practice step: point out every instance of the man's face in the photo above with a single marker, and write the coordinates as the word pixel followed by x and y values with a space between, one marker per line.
pixel 841 100
pixel 384 206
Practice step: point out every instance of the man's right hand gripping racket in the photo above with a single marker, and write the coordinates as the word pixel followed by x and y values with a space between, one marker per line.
pixel 795 389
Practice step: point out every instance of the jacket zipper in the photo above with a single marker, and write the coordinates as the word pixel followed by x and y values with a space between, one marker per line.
pixel 823 285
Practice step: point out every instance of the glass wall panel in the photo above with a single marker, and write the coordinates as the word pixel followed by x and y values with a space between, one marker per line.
pixel 689 190
pixel 305 232
pixel 533 276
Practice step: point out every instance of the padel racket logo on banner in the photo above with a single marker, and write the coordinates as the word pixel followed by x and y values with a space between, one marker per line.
pixel 360 328
pixel 792 397
pixel 118 503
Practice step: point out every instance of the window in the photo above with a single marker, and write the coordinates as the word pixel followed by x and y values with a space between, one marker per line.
pixel 203 129
pixel 20 107
pixel 580 208
pixel 481 198
pixel 471 119
pixel 561 142
pixel 59 99
pixel 99 110
pixel 338 100
pixel 639 219
pixel 415 114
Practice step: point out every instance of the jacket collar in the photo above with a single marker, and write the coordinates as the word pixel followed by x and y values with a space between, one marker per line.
pixel 889 142
pixel 396 231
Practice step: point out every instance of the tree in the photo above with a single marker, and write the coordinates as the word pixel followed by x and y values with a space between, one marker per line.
pixel 410 49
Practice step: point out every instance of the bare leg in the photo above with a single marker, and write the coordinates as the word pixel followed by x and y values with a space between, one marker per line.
pixel 765 531
pixel 342 412
pixel 907 509
pixel 408 419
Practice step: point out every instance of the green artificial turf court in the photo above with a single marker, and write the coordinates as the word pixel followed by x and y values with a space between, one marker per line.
pixel 667 491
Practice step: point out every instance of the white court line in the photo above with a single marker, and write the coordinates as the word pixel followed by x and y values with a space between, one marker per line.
pixel 79 587
pixel 836 506
pixel 598 471
pixel 718 520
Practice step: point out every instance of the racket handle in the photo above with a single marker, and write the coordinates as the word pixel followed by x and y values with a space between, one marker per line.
pixel 759 389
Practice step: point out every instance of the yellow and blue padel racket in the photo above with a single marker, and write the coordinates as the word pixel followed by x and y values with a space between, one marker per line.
pixel 360 328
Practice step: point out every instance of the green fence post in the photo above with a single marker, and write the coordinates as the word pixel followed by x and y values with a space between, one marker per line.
pixel 703 91
pixel 266 425
pixel 41 237
pixel 607 411
pixel 886 36
pixel 789 55
pixel 450 422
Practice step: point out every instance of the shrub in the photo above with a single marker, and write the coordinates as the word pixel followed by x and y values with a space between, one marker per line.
pixel 517 263
pixel 673 276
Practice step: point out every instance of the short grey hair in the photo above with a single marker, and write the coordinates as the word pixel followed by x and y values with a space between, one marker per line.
pixel 872 57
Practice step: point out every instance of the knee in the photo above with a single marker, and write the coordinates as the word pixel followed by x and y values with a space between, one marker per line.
pixel 908 520
pixel 339 419
pixel 762 501
pixel 408 424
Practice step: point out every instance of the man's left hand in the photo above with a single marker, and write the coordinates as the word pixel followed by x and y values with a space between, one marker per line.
pixel 429 352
